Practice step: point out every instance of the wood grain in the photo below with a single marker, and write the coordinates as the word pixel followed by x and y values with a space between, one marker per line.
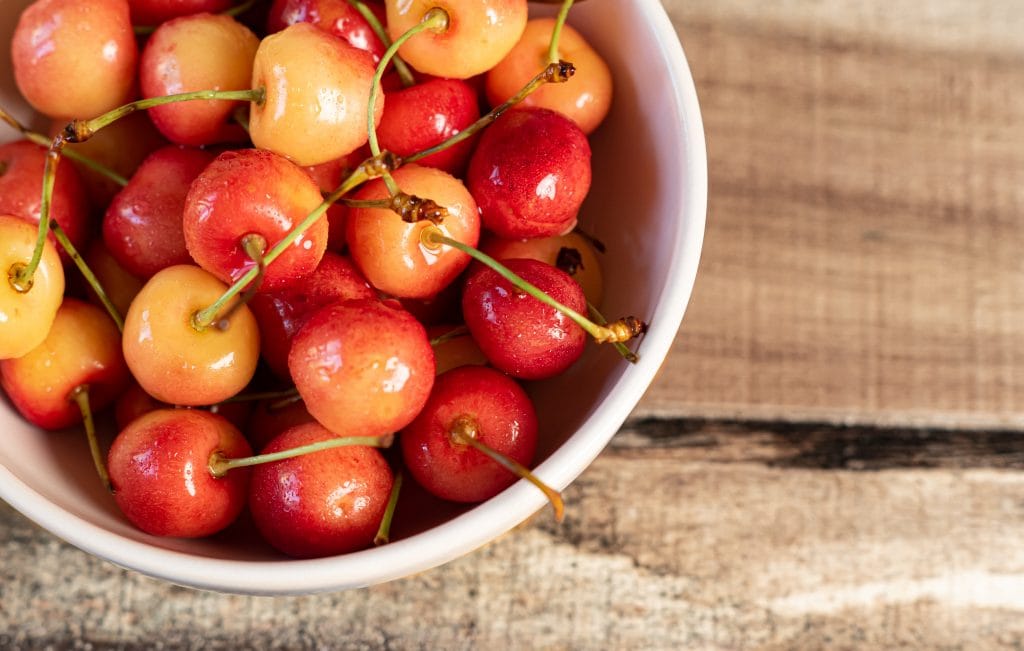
pixel 863 254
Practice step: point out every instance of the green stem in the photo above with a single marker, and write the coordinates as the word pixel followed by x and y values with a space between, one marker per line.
pixel 238 10
pixel 219 465
pixel 554 72
pixel 80 396
pixel 25 274
pixel 87 273
pixel 599 319
pixel 556 33
pixel 384 531
pixel 371 18
pixel 459 331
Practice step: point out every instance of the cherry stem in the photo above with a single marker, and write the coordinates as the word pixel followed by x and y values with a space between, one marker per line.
pixel 23 278
pixel 454 333
pixel 383 536
pixel 87 273
pixel 622 330
pixel 219 465
pixel 80 396
pixel 241 116
pixel 404 73
pixel 556 32
pixel 409 207
pixel 464 431
pixel 436 20
pixel 265 395
pixel 284 402
pixel 553 73
pixel 254 245
pixel 234 12
pixel 599 319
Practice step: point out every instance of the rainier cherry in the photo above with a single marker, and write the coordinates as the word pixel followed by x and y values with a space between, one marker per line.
pixel 27 309
pixel 572 253
pixel 120 286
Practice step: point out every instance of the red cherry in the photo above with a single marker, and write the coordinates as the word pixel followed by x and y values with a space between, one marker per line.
pixel 253 192
pixel 519 334
pixel 504 420
pixel 427 114
pixel 154 12
pixel 133 403
pixel 267 421
pixel 143 225
pixel 329 176
pixel 159 468
pixel 281 313
pixel 530 174
pixel 328 502
pixel 336 17
pixel 363 368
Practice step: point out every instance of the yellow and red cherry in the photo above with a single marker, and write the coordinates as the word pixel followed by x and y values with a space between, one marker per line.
pixel 270 419
pixel 454 347
pixel 120 286
pixel 362 367
pixel 252 192
pixel 317 88
pixel 530 173
pixel 476 401
pixel 427 114
pixel 191 53
pixel 176 362
pixel 160 471
pixel 154 12
pixel 572 253
pixel 82 350
pixel 519 334
pixel 27 310
pixel 21 177
pixel 585 99
pixel 389 251
pixel 75 58
pixel 281 313
pixel 133 403
pixel 479 34
pixel 142 228
pixel 321 504
pixel 336 17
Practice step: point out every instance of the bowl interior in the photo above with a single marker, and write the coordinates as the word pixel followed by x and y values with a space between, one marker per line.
pixel 647 204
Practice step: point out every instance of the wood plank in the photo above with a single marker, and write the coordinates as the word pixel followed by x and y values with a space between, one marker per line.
pixel 695 536
pixel 863 254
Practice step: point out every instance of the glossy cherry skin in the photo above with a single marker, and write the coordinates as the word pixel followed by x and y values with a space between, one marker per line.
pixel 321 504
pixel 520 335
pixel 317 92
pixel 21 181
pixel 363 368
pixel 26 317
pixel 176 363
pixel 427 114
pixel 480 33
pixel 283 312
pixel 82 349
pixel 572 253
pixel 75 58
pixel 585 98
pixel 154 12
pixel 389 251
pixel 336 17
pixel 197 52
pixel 120 286
pixel 251 191
pixel 505 420
pixel 143 225
pixel 159 468
pixel 530 174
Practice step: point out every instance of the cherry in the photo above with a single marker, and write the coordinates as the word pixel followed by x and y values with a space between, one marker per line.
pixel 519 334
pixel 21 175
pixel 27 308
pixel 159 469
pixel 316 90
pixel 454 347
pixel 269 419
pixel 256 193
pixel 572 253
pixel 121 287
pixel 320 504
pixel 389 250
pixel 155 12
pixel 530 174
pixel 443 307
pixel 479 34
pixel 133 403
pixel 143 225
pixel 336 17
pixel 280 314
pixel 74 57
pixel 172 359
pixel 362 367
pixel 587 97
pixel 329 176
pixel 427 114
pixel 192 53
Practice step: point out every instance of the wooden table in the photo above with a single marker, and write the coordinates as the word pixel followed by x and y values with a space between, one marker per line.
pixel 830 456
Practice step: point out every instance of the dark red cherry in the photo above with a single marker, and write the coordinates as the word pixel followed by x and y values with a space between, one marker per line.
pixel 336 17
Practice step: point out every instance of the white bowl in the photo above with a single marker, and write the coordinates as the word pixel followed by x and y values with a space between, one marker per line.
pixel 648 204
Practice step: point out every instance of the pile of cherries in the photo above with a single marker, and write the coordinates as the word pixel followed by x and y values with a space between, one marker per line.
pixel 314 199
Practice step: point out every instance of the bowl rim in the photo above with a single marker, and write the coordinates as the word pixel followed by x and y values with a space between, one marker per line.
pixel 478 525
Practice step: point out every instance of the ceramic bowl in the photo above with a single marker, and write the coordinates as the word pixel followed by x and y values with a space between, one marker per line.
pixel 648 204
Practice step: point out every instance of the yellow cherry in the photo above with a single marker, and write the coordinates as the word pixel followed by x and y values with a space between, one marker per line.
pixel 26 313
